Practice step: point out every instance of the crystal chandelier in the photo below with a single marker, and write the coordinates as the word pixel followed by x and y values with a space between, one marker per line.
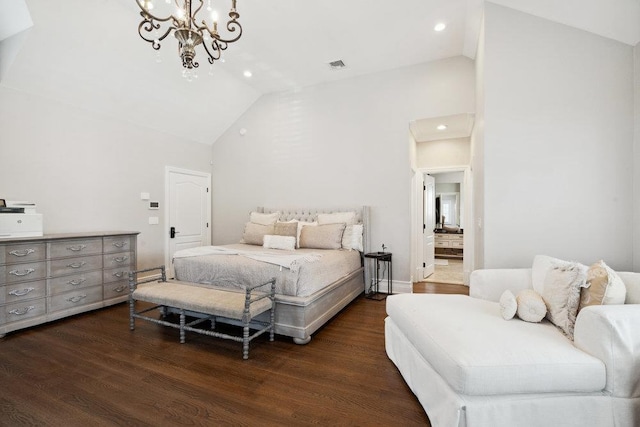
pixel 186 28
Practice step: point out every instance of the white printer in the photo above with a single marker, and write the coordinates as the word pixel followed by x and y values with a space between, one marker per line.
pixel 20 219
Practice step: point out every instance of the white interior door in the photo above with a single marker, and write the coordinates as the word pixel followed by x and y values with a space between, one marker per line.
pixel 188 211
pixel 429 250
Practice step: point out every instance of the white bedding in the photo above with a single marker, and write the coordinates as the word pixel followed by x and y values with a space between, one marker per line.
pixel 312 269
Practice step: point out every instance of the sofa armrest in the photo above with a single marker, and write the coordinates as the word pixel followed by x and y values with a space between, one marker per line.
pixel 490 284
pixel 610 333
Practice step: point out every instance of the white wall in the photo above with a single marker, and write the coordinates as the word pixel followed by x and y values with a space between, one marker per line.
pixel 477 158
pixel 86 171
pixel 443 153
pixel 336 144
pixel 558 143
pixel 636 162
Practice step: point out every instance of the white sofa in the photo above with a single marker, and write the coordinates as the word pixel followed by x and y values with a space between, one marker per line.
pixel 470 367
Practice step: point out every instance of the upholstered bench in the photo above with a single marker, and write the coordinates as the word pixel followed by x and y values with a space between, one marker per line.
pixel 203 303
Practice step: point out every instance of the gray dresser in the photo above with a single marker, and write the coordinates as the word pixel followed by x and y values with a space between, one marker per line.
pixel 59 275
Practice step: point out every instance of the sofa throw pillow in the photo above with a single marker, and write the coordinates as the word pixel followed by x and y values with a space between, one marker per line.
pixel 561 293
pixel 254 233
pixel 299 230
pixel 326 236
pixel 531 306
pixel 263 218
pixel 286 229
pixel 287 243
pixel 508 305
pixel 348 218
pixel 604 286
pixel 352 237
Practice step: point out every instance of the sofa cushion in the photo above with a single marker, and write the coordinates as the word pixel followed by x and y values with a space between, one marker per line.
pixel 531 306
pixel 604 287
pixel 469 344
pixel 508 305
pixel 632 283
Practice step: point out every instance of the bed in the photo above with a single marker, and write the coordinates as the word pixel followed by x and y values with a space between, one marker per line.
pixel 312 285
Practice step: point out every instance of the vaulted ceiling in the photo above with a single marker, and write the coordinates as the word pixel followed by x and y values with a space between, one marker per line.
pixel 87 53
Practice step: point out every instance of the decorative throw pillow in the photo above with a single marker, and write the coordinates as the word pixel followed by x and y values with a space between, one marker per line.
pixel 541 265
pixel 531 306
pixel 263 218
pixel 352 237
pixel 604 286
pixel 287 243
pixel 326 236
pixel 300 225
pixel 348 218
pixel 508 305
pixel 561 293
pixel 286 229
pixel 254 233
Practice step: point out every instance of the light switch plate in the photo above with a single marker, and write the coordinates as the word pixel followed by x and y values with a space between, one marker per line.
pixel 145 196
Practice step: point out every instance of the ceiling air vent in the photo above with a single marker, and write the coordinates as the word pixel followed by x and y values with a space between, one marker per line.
pixel 336 65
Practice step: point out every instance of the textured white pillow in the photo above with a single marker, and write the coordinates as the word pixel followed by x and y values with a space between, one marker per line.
pixel 300 225
pixel 254 233
pixel 264 219
pixel 325 236
pixel 531 306
pixel 508 305
pixel 287 243
pixel 348 218
pixel 541 264
pixel 561 293
pixel 352 237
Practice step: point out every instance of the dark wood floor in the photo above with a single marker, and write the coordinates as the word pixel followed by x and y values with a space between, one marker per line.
pixel 439 288
pixel 91 370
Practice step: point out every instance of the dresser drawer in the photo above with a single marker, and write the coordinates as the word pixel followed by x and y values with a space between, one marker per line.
pixel 22 310
pixel 116 289
pixel 75 299
pixel 441 244
pixel 74 248
pixel 22 291
pixel 457 244
pixel 24 253
pixel 122 260
pixel 118 244
pixel 454 237
pixel 115 275
pixel 59 285
pixel 63 267
pixel 21 272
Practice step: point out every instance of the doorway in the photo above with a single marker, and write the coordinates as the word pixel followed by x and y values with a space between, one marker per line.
pixel 187 211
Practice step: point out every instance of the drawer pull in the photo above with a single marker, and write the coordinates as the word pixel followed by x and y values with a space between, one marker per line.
pixel 76 298
pixel 22 272
pixel 119 274
pixel 22 253
pixel 120 245
pixel 120 288
pixel 76 282
pixel 121 259
pixel 21 293
pixel 21 311
pixel 76 264
pixel 76 248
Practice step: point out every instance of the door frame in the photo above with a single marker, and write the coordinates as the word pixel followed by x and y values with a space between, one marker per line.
pixel 416 237
pixel 168 170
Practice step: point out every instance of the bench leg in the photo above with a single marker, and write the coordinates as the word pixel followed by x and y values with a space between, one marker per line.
pixel 245 341
pixel 182 317
pixel 132 320
pixel 272 331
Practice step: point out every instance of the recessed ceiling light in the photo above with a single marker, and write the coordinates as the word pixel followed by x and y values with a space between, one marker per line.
pixel 440 26
pixel 441 127
pixel 248 74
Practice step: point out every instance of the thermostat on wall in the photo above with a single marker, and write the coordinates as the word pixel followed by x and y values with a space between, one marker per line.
pixel 154 205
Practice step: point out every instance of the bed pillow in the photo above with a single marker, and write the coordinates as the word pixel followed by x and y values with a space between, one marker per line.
pixel 254 233
pixel 348 218
pixel 325 236
pixel 531 306
pixel 286 229
pixel 352 237
pixel 263 218
pixel 508 305
pixel 299 230
pixel 604 286
pixel 561 293
pixel 287 243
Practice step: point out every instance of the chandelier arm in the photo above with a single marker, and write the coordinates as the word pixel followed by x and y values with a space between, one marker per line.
pixel 232 26
pixel 212 56
pixel 146 14
pixel 193 15
pixel 149 27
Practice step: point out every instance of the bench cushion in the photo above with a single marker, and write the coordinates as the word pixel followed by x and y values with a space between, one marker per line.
pixel 477 352
pixel 199 299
